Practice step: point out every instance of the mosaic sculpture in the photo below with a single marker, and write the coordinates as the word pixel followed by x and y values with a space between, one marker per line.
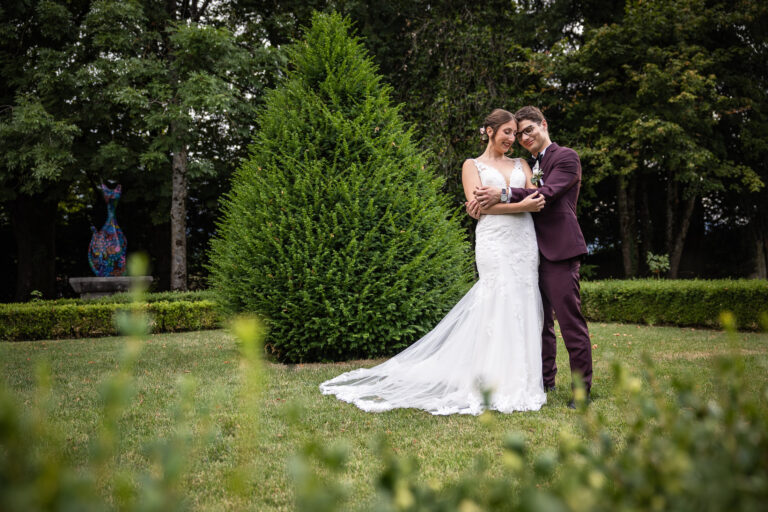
pixel 106 253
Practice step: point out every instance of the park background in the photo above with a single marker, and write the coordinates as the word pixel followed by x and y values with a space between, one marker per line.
pixel 664 101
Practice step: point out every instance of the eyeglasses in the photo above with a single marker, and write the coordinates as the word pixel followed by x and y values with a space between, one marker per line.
pixel 527 130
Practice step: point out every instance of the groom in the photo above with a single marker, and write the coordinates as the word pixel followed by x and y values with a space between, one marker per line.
pixel 561 243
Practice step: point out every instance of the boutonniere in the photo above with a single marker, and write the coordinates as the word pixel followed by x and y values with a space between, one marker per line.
pixel 536 174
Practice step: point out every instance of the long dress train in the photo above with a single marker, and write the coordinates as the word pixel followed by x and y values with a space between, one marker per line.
pixel 490 341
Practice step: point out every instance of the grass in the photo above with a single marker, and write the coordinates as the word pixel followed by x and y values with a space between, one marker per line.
pixel 445 447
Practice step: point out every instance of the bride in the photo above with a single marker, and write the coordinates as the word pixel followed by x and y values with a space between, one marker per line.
pixel 490 342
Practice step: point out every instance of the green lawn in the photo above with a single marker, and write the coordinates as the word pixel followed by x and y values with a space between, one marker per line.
pixel 445 447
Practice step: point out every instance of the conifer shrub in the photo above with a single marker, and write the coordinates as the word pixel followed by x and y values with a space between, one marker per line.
pixel 335 231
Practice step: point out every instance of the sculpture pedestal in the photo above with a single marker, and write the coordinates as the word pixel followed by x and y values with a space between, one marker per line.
pixel 93 287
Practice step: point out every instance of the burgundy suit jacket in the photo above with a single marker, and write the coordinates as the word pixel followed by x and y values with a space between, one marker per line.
pixel 557 229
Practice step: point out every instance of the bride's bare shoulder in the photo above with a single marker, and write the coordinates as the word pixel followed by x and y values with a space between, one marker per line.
pixel 469 163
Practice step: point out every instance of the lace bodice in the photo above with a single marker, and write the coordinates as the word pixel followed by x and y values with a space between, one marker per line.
pixel 492 177
pixel 505 245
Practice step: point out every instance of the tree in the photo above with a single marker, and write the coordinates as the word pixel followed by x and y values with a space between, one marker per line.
pixel 157 96
pixel 649 94
pixel 745 127
pixel 186 82
pixel 335 229
pixel 38 130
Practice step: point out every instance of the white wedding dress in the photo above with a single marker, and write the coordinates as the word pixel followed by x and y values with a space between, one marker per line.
pixel 491 339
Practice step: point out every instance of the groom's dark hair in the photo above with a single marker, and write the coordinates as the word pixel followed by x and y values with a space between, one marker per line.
pixel 530 113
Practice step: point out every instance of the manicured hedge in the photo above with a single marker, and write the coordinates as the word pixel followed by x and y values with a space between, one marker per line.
pixel 51 320
pixel 658 302
pixel 676 302
pixel 126 297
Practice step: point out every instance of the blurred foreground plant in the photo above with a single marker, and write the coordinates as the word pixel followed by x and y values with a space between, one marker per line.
pixel 249 332
pixel 37 474
pixel 678 452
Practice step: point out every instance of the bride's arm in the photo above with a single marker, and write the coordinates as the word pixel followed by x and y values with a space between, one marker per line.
pixel 470 178
pixel 530 203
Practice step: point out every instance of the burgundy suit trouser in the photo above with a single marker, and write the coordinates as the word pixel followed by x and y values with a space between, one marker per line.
pixel 559 285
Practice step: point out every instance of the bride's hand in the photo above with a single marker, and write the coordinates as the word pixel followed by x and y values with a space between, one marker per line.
pixel 533 203
pixel 473 209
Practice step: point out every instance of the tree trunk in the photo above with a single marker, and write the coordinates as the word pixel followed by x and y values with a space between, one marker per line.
pixel 761 266
pixel 179 220
pixel 676 251
pixel 760 237
pixel 627 224
pixel 669 232
pixel 646 227
pixel 33 220
pixel 765 257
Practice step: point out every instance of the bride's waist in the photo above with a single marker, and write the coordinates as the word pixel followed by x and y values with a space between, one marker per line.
pixel 504 219
pixel 504 224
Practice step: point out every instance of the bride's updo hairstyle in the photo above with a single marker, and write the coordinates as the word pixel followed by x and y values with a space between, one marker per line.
pixel 498 117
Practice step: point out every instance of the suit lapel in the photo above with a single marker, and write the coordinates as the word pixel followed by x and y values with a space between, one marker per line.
pixel 547 160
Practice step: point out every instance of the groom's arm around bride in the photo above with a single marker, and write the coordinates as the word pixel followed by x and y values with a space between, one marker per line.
pixel 561 243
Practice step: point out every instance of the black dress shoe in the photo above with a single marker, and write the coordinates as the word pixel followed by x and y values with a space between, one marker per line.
pixel 547 389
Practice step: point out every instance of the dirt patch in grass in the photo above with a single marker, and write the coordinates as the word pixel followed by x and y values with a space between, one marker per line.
pixel 357 363
pixel 706 354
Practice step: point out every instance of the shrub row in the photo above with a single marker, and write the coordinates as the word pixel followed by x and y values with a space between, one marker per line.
pixel 677 302
pixel 664 302
pixel 126 297
pixel 44 320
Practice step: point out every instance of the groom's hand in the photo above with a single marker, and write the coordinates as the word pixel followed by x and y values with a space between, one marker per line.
pixel 487 196
pixel 473 209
